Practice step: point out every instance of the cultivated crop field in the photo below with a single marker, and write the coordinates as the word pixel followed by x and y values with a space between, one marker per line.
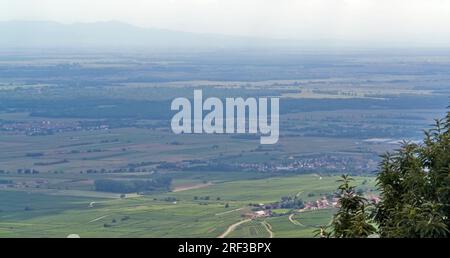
pixel 159 215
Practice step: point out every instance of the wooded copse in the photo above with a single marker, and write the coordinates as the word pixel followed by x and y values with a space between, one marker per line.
pixel 133 186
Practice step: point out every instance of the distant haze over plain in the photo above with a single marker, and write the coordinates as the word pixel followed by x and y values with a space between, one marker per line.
pixel 28 34
pixel 225 23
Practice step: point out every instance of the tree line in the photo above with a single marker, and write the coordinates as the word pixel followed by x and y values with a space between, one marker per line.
pixel 160 183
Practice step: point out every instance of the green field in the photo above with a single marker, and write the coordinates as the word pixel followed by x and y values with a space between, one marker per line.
pixel 35 214
pixel 251 229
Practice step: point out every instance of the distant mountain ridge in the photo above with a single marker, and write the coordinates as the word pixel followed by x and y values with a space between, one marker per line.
pixel 41 34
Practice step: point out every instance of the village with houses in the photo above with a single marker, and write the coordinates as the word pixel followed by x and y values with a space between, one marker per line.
pixel 295 205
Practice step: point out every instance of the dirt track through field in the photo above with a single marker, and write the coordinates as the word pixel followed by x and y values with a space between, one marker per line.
pixel 97 219
pixel 231 228
pixel 268 228
pixel 190 187
pixel 226 212
pixel 295 222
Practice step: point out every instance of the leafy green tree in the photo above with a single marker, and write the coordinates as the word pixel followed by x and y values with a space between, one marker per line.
pixel 415 187
pixel 353 218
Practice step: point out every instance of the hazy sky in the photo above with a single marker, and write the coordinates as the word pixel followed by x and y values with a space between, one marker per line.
pixel 419 22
